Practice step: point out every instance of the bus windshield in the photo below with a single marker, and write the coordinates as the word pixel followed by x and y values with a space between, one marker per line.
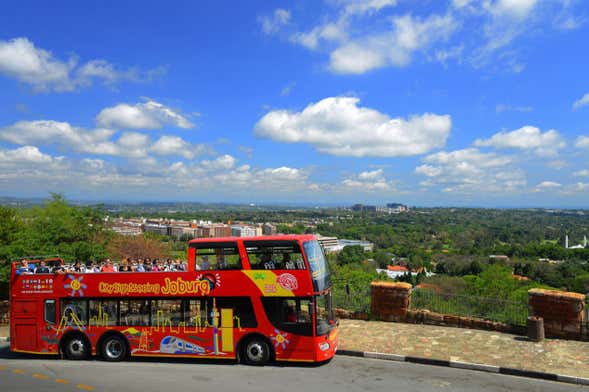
pixel 318 265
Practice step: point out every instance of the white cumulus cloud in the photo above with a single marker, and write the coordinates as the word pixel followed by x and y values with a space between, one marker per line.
pixel 273 23
pixel 98 141
pixel 526 138
pixel 471 171
pixel 581 173
pixel 372 180
pixel 582 142
pixel 583 101
pixel 147 115
pixel 20 59
pixel 409 34
pixel 25 154
pixel 547 185
pixel 338 126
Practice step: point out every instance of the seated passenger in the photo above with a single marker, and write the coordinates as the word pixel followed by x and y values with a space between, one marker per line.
pixel 155 267
pixel 23 268
pixel 91 267
pixel 42 268
pixel 291 316
pixel 125 267
pixel 205 264
pixel 179 266
pixel 267 261
pixel 287 262
pixel 140 266
pixel 147 265
pixel 78 268
pixel 107 267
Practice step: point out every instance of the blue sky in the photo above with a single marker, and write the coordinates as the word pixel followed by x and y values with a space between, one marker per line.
pixel 459 102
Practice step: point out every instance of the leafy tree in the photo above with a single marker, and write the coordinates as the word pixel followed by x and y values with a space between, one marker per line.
pixel 351 254
pixel 137 246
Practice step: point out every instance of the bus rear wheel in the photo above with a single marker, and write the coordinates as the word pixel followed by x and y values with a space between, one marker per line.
pixel 76 347
pixel 114 348
pixel 256 351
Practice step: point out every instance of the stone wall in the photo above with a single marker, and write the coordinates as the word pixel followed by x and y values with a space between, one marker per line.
pixel 563 312
pixel 4 313
pixel 390 301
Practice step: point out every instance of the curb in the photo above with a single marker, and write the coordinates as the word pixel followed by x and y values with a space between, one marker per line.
pixel 468 366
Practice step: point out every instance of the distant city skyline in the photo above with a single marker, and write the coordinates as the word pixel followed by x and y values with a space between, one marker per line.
pixel 463 103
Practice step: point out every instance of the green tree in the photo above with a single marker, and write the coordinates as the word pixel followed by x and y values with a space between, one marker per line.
pixel 351 254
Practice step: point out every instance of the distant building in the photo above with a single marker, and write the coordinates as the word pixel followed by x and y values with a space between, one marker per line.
pixel 216 230
pixel 243 231
pixel 363 208
pixel 498 258
pixel 268 229
pixel 394 271
pixel 156 228
pixel 335 245
pixel 329 244
pixel 579 246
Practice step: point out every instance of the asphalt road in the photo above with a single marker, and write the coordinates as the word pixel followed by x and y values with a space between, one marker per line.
pixel 20 372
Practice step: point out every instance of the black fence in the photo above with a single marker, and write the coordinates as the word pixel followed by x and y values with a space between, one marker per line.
pixel 493 309
pixel 352 297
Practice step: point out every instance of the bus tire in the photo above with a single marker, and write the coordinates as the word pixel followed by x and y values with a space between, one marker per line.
pixel 114 348
pixel 256 351
pixel 75 346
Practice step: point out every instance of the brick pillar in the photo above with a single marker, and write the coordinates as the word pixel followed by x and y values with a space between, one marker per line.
pixel 390 301
pixel 562 311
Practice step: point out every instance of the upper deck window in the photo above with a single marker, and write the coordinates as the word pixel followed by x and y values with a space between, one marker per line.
pixel 274 255
pixel 217 256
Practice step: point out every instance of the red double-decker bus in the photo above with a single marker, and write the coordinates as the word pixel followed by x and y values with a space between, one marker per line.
pixel 252 299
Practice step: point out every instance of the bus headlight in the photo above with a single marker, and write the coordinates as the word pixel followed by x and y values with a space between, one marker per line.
pixel 324 346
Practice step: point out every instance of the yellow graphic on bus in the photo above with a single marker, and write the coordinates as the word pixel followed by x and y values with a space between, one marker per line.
pixel 267 284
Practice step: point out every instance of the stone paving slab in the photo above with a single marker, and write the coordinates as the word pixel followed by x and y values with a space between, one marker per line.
pixel 565 357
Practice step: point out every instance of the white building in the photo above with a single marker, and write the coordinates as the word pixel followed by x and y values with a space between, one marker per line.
pixel 244 231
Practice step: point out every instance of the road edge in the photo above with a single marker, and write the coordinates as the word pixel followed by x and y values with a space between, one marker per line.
pixel 468 366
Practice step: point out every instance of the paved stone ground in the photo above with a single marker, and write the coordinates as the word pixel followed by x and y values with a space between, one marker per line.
pixel 565 357
pixel 4 331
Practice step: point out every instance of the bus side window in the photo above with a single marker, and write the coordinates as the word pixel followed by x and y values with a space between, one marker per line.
pixel 243 311
pixel 49 311
pixel 274 255
pixel 75 311
pixel 290 315
pixel 217 256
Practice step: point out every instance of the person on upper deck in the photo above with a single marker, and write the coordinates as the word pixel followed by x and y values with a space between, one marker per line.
pixel 124 266
pixel 108 267
pixel 42 268
pixel 140 266
pixel 24 268
pixel 78 267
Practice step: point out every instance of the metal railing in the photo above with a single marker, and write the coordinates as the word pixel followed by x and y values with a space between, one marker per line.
pixel 348 296
pixel 493 309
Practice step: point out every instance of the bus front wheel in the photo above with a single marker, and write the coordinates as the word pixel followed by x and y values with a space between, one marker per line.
pixel 114 348
pixel 76 347
pixel 256 351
